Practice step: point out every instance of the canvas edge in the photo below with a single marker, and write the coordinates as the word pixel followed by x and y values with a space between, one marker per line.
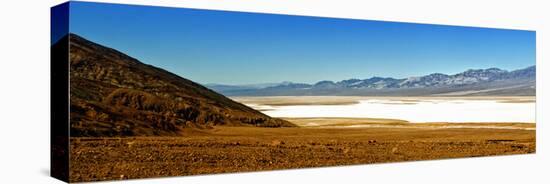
pixel 59 92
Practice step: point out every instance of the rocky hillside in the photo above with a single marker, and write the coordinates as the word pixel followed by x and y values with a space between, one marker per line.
pixel 112 94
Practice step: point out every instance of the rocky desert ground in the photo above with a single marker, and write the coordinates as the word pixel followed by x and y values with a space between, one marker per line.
pixel 244 149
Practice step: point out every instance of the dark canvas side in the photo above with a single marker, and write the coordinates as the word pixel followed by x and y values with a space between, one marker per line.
pixel 59 91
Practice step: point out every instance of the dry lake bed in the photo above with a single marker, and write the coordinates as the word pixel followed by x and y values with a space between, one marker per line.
pixel 410 109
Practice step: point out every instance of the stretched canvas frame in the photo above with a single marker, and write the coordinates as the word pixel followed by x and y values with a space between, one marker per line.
pixel 205 109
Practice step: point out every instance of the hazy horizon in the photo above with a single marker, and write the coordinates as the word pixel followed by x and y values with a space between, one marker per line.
pixel 275 82
pixel 239 48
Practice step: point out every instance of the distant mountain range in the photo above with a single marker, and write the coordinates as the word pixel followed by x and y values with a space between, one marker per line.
pixel 473 82
pixel 112 94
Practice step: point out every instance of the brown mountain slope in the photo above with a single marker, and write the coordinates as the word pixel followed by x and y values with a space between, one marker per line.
pixel 112 94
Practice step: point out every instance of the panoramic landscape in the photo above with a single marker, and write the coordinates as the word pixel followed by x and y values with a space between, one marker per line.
pixel 205 92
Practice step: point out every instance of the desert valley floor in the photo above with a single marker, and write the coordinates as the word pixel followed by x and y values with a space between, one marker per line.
pixel 332 141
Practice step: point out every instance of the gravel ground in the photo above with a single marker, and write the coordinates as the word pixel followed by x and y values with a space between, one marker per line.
pixel 240 149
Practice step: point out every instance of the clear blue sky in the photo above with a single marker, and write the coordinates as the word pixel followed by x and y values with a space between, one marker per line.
pixel 242 48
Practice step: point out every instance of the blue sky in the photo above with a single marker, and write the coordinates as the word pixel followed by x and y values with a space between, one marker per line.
pixel 243 48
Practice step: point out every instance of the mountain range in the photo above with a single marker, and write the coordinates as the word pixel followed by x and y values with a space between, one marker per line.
pixel 113 94
pixel 473 82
